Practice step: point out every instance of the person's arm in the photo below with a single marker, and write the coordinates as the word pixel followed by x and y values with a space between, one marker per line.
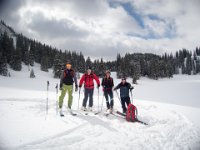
pixel 81 80
pixel 117 87
pixel 112 83
pixel 75 80
pixel 130 87
pixel 102 82
pixel 97 80
pixel 61 80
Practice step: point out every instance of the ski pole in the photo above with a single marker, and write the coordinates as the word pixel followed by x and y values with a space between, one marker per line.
pixel 118 96
pixel 56 99
pixel 98 99
pixel 79 97
pixel 131 97
pixel 47 98
pixel 102 102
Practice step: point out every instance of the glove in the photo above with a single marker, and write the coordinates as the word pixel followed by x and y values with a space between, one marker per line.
pixel 80 85
pixel 131 88
pixel 114 89
pixel 98 86
pixel 76 88
pixel 61 86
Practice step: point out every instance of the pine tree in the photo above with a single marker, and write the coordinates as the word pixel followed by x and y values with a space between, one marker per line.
pixel 3 66
pixel 119 65
pixel 88 62
pixel 31 58
pixel 57 66
pixel 81 63
pixel 136 72
pixel 22 44
pixel 16 60
pixel 32 74
pixel 44 64
pixel 102 68
pixel 7 47
pixel 198 66
pixel 188 64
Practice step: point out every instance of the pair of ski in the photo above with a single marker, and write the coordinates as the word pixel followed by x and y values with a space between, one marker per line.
pixel 136 119
pixel 91 112
pixel 75 114
pixel 70 112
pixel 82 112
pixel 94 113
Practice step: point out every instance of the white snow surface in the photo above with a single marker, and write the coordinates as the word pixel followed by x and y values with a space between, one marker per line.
pixel 169 106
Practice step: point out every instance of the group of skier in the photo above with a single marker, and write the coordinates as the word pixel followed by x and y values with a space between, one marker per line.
pixel 68 78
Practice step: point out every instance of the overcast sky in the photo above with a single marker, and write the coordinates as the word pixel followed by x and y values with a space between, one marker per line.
pixel 103 28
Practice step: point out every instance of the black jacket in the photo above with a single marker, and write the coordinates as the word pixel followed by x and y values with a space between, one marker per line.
pixel 107 83
pixel 68 77
pixel 124 89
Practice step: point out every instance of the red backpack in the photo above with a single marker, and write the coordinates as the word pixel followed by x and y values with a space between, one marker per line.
pixel 131 114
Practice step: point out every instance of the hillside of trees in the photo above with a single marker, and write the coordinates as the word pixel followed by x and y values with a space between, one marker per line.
pixel 18 49
pixel 155 66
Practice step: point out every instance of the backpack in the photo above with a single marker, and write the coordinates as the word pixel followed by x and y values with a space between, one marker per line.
pixel 131 113
pixel 68 73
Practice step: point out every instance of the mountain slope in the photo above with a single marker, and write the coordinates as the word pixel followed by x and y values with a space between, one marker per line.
pixel 7 29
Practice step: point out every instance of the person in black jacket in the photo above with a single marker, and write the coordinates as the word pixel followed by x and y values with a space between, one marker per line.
pixel 107 83
pixel 68 77
pixel 124 93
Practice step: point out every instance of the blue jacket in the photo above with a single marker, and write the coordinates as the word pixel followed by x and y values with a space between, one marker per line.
pixel 124 89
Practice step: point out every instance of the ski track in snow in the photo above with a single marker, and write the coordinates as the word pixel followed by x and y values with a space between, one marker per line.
pixel 166 130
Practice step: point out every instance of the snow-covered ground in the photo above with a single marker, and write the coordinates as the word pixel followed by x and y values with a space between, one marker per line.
pixel 169 106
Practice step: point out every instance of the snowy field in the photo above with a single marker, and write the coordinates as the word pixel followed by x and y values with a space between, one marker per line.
pixel 169 106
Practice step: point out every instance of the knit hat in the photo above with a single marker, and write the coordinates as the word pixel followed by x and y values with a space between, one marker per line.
pixel 107 71
pixel 123 78
pixel 89 68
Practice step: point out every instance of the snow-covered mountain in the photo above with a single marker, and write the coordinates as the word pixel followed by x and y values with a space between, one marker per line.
pixel 8 30
pixel 25 124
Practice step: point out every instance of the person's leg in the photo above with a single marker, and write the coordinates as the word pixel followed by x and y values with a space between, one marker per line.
pixel 127 100
pixel 107 101
pixel 91 91
pixel 86 94
pixel 70 97
pixel 123 104
pixel 111 99
pixel 63 93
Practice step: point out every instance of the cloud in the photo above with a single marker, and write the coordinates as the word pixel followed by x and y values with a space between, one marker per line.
pixel 55 28
pixel 105 28
pixel 8 9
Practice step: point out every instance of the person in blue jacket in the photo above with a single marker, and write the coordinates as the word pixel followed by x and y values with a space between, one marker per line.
pixel 124 87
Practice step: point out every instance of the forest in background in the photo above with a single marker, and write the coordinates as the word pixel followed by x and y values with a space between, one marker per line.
pixel 16 49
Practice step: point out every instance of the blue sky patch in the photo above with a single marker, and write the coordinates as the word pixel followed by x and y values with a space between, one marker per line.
pixel 130 10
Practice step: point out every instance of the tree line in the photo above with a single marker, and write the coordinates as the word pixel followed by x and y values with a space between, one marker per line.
pixel 156 66
pixel 19 49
